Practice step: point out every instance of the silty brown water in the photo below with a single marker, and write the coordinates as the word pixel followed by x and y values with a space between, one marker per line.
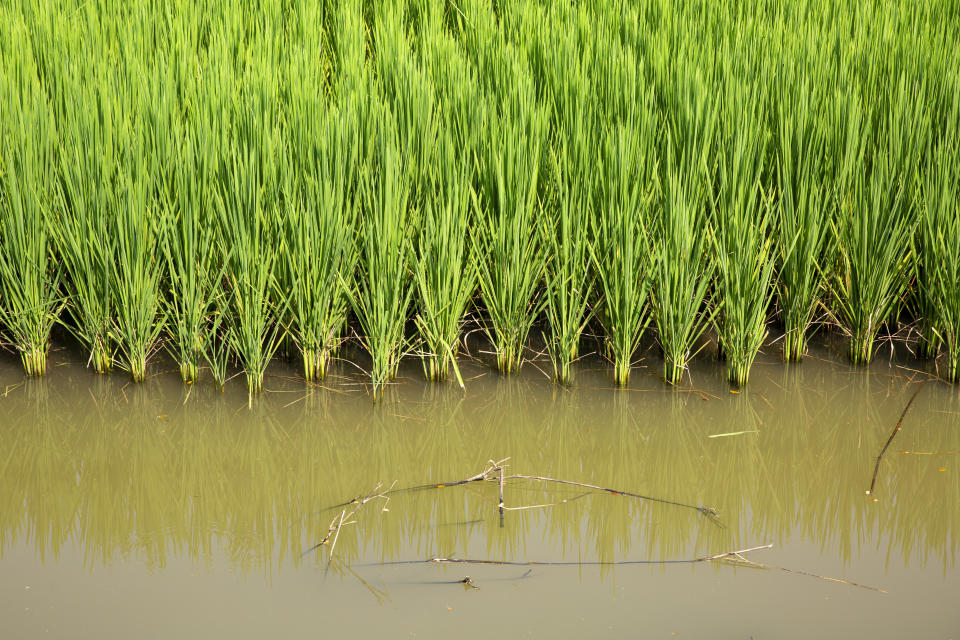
pixel 159 510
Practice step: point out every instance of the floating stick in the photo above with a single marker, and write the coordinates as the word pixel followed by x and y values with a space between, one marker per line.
pixel 893 433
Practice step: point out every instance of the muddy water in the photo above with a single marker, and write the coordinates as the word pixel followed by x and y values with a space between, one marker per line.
pixel 163 511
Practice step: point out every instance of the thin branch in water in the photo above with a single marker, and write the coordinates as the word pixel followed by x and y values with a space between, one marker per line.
pixel 733 433
pixel 552 504
pixel 603 563
pixel 738 560
pixel 500 506
pixel 893 434
pixel 929 453
pixel 706 511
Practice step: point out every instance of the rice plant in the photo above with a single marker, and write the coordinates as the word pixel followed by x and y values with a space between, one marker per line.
pixel 383 289
pixel 560 60
pixel 247 178
pixel 742 218
pixel 137 267
pixel 244 202
pixel 940 241
pixel 30 300
pixel 190 247
pixel 680 234
pixel 507 250
pixel 873 231
pixel 568 279
pixel 804 209
pixel 445 271
pixel 318 219
pixel 81 224
pixel 626 197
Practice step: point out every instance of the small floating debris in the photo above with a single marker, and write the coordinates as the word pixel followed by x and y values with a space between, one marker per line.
pixel 733 433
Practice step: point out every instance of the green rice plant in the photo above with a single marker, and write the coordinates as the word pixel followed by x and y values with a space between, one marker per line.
pixel 804 209
pixel 873 230
pixel 30 300
pixel 81 222
pixel 679 235
pixel 507 250
pixel 742 217
pixel 940 241
pixel 906 129
pixel 200 143
pixel 407 91
pixel 190 247
pixel 626 197
pixel 565 226
pixel 383 288
pixel 137 267
pixel 244 203
pixel 560 60
pixel 445 271
pixel 318 221
pixel 215 335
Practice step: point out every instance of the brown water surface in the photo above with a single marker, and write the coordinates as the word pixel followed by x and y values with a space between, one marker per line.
pixel 159 510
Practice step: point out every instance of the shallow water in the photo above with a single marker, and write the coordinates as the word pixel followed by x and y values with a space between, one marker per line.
pixel 159 510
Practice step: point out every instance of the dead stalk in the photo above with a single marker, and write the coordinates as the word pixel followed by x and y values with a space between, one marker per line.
pixel 896 430
pixel 344 518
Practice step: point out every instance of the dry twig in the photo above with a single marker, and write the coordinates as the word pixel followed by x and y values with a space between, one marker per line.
pixel 893 433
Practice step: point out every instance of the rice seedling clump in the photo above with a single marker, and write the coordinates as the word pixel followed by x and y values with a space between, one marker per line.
pixel 239 185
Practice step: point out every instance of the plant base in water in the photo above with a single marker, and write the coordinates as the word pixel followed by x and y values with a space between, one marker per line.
pixel 34 361
pixel 100 359
pixel 673 370
pixel 509 359
pixel 254 381
pixel 738 373
pixel 621 373
pixel 929 345
pixel 794 345
pixel 138 368
pixel 436 368
pixel 315 363
pixel 861 349
pixel 189 372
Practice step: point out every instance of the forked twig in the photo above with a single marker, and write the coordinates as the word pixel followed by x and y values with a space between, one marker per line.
pixel 344 518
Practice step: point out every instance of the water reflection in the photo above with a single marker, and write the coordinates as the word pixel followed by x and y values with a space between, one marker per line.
pixel 151 472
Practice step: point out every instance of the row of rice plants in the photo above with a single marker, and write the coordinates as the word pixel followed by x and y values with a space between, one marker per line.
pixel 217 182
